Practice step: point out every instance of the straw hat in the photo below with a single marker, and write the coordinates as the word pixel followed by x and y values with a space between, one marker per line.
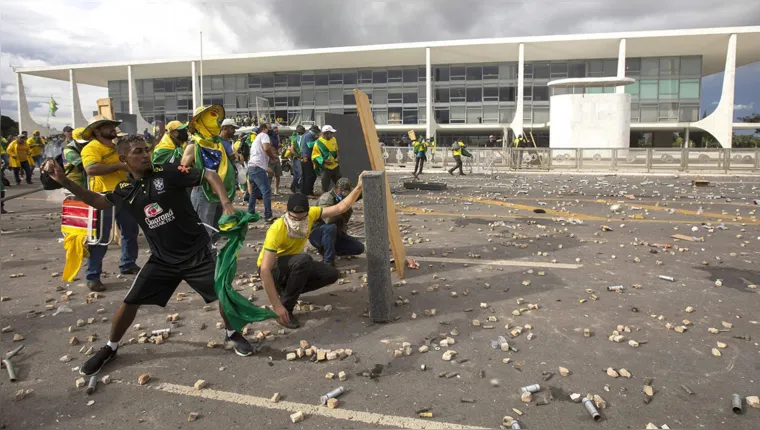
pixel 96 122
pixel 217 109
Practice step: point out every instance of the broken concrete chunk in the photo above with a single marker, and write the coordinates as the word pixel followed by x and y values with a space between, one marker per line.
pixel 74 341
pixel 716 352
pixel 448 355
pixel 332 355
pixel 625 373
pixel 297 417
pixel 199 384
pixel 291 356
pixel 106 379
pixel 721 345
pixel 564 371
pixel 612 372
pixel 18 337
pixel 689 309
pixel 476 323
pixel 192 416
pixel 651 426
pixel 424 348
pixel 726 324
pixel 576 397
pixel 342 376
pixel 143 379
pixel 79 383
pixel 633 343
pixel 713 330
pixel 753 401
pixel 275 398
pixel 65 359
pixel 526 397
pixel 648 390
pixel 600 402
pixel 304 344
pixel 333 403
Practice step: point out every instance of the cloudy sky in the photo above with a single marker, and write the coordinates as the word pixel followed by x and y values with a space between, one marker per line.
pixel 51 32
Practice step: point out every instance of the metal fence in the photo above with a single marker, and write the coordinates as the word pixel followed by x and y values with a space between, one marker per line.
pixel 644 160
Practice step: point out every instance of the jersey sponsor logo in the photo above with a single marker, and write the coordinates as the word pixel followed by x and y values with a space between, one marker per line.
pixel 160 220
pixel 158 184
pixel 153 210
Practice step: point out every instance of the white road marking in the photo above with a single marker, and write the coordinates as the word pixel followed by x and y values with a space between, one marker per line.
pixel 342 414
pixel 519 263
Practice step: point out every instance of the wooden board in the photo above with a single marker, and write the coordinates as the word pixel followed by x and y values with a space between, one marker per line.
pixel 105 108
pixel 376 161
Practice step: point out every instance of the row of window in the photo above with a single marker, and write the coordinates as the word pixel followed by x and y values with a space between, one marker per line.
pixel 664 89
pixel 690 66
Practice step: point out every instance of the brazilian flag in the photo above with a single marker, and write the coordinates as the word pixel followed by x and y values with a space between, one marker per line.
pixel 238 309
pixel 166 151
pixel 210 154
pixel 321 154
pixel 53 106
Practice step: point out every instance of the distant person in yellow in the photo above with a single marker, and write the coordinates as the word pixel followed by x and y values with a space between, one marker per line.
pixel 72 158
pixel 20 158
pixel 457 150
pixel 419 147
pixel 325 157
pixel 36 145
pixel 104 171
pixel 172 144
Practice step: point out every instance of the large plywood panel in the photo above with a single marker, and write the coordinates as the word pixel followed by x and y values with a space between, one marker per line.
pixel 354 158
pixel 376 162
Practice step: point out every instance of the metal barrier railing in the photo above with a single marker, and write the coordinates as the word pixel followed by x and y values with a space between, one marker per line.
pixel 645 160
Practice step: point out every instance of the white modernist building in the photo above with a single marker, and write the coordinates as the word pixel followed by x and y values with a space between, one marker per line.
pixel 600 90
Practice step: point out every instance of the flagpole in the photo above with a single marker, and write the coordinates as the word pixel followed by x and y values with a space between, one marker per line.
pixel 201 101
pixel 48 117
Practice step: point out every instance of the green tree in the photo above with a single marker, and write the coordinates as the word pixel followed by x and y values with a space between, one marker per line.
pixel 755 117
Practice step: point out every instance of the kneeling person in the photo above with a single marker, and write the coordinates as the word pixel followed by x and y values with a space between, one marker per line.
pixel 285 272
pixel 330 234
pixel 156 196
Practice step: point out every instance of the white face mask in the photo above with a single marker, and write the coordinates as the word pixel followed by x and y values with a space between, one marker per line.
pixel 296 229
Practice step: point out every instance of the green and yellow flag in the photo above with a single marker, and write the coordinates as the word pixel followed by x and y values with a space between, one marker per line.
pixel 210 154
pixel 238 309
pixel 166 151
pixel 53 106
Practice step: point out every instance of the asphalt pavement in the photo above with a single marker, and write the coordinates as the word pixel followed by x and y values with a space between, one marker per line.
pixel 534 252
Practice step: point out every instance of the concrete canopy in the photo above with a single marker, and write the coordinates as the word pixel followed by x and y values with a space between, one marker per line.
pixel 709 43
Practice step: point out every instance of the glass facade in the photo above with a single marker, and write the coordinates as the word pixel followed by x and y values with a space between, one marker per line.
pixel 667 89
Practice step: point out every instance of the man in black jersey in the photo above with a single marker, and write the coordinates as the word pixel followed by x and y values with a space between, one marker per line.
pixel 156 196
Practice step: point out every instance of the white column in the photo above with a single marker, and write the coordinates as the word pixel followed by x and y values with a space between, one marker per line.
pixel 428 96
pixel 194 75
pixel 621 66
pixel 720 122
pixel 77 118
pixel 517 122
pixel 20 96
pixel 25 120
pixel 133 106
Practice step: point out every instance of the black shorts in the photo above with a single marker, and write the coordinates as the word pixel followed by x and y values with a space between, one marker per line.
pixel 157 280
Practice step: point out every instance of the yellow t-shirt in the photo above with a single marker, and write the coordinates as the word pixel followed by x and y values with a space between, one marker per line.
pixel 97 153
pixel 277 239
pixel 35 147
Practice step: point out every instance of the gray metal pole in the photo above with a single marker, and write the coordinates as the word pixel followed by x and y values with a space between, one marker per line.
pixel 378 254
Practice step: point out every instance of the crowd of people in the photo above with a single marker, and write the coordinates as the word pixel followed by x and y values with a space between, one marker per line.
pixel 177 192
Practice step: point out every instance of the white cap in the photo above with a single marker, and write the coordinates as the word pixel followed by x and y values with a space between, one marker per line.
pixel 328 128
pixel 230 121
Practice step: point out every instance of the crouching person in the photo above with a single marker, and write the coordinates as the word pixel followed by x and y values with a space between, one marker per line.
pixel 330 234
pixel 285 272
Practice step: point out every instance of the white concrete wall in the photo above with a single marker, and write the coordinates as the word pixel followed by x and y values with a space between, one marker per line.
pixel 590 121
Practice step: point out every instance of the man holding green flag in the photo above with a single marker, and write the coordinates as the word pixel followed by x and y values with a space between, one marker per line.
pixel 156 197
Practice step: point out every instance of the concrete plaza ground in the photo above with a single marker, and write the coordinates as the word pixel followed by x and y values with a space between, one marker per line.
pixel 479 243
